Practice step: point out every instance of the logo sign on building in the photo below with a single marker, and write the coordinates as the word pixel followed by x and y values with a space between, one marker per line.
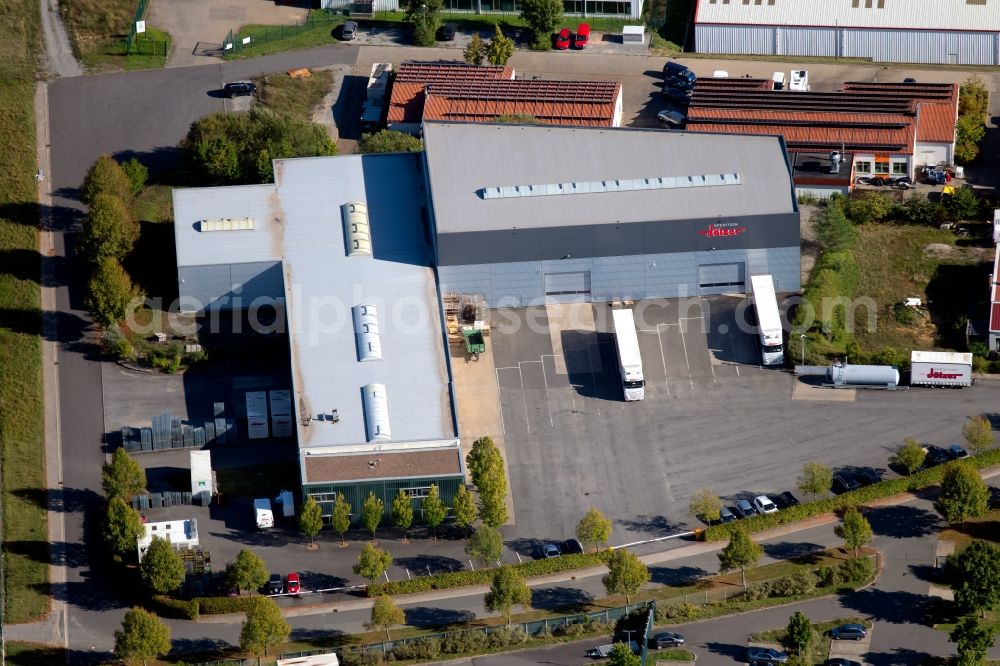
pixel 720 229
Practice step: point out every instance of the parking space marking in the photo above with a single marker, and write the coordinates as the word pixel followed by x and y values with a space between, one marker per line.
pixel 571 392
pixel 710 364
pixel 663 357
pixel 545 382
pixel 524 401
pixel 687 361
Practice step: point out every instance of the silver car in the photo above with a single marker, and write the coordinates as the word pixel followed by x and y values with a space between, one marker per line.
pixel 349 31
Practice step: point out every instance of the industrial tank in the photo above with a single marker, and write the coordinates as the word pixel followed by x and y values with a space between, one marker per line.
pixel 862 375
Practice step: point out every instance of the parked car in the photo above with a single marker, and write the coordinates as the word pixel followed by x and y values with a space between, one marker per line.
pixel 293 585
pixel 744 509
pixel 726 515
pixel 785 500
pixel 957 452
pixel 446 33
pixel 582 36
pixel 679 84
pixel 671 119
pixel 866 476
pixel 763 504
pixel 239 88
pixel 839 661
pixel 848 632
pixel 562 39
pixel 571 547
pixel 676 95
pixel 937 456
pixel 349 30
pixel 844 482
pixel 678 75
pixel 762 655
pixel 275 585
pixel 548 550
pixel 666 639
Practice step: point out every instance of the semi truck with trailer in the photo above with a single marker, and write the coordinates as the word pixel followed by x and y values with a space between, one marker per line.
pixel 629 360
pixel 263 515
pixel 769 331
pixel 933 368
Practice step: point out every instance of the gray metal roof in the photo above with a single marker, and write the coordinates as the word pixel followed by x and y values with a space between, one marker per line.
pixel 298 220
pixel 466 160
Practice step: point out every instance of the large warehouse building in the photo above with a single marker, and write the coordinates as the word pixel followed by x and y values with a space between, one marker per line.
pixel 595 214
pixel 956 32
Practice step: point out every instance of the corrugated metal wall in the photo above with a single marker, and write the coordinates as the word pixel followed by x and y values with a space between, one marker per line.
pixel 355 494
pixel 635 277
pixel 879 45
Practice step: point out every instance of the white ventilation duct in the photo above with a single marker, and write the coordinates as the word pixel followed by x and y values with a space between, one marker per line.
pixel 376 412
pixel 356 232
pixel 226 224
pixel 366 333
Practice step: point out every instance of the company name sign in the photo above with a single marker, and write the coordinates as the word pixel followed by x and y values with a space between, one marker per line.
pixel 720 229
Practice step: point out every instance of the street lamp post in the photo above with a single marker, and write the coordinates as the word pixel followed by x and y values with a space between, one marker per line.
pixel 802 341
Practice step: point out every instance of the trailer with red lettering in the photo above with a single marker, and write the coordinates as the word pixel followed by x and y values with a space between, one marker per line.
pixel 931 368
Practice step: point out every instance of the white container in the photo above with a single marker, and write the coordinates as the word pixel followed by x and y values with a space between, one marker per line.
pixel 257 414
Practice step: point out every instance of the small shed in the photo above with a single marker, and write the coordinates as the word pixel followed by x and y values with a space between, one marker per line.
pixel 633 34
pixel 179 533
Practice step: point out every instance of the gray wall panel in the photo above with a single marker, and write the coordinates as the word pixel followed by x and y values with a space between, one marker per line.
pixel 617 278
pixel 227 286
pixel 807 41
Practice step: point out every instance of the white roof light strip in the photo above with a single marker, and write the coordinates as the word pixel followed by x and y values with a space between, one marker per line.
pixel 621 185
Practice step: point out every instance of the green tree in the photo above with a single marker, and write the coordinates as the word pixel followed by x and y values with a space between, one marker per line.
pixel 834 230
pixel 978 433
pixel 705 505
pixel 371 513
pixel 122 527
pixel 963 494
pixel 238 148
pixel 486 467
pixel 485 545
pixel 854 530
pixel 910 456
pixel 626 574
pixel 973 639
pixel 868 208
pixel 594 529
pixel 385 615
pixel 108 230
pixel 507 589
pixel 740 553
pixel 622 655
pixel 542 16
pixel 969 133
pixel 973 97
pixel 800 631
pixel 372 562
pixel 106 176
pixel 402 511
pixel 264 628
pixel 475 52
pixel 111 296
pixel 248 571
pixel 966 151
pixel 816 479
pixel 340 519
pixel 500 48
pixel 162 569
pixel 963 205
pixel 463 507
pixel 424 15
pixel 310 518
pixel 143 636
pixel 123 477
pixel 978 568
pixel 389 141
pixel 137 174
pixel 433 509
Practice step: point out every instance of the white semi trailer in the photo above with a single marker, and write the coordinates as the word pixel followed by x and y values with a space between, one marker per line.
pixel 769 331
pixel 629 360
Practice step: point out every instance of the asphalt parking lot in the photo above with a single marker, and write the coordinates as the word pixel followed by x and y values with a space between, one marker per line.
pixel 712 417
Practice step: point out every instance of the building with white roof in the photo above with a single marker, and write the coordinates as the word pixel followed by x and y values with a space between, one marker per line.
pixel 962 32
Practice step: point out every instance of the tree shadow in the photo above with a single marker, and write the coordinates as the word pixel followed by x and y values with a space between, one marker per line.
pixel 903 521
pixel 152 263
pixel 801 551
pixel 68 500
pixel 676 575
pixel 436 618
pixel 881 605
pixel 902 657
pixel 524 547
pixel 980 531
pixel 926 572
pixel 347 106
pixel 320 580
pixel 736 652
pixel 319 638
pixel 563 599
pixel 190 648
pixel 429 564
pixel 657 526
pixel 44 655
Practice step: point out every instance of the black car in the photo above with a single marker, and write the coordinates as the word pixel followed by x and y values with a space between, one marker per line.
pixel 844 482
pixel 957 452
pixel 848 632
pixel 666 639
pixel 726 515
pixel 238 88
pixel 937 456
pixel 676 95
pixel 275 585
pixel 785 500
pixel 866 476
pixel 678 75
pixel 744 509
pixel 447 32
pixel 571 547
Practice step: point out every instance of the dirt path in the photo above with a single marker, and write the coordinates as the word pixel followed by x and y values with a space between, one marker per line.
pixel 60 61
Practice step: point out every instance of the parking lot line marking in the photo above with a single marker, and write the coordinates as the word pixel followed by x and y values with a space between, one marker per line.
pixel 663 358
pixel 503 426
pixel 546 383
pixel 524 400
pixel 732 347
pixel 593 377
pixel 687 361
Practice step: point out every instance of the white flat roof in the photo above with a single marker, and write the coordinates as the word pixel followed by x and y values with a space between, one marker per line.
pixel 940 357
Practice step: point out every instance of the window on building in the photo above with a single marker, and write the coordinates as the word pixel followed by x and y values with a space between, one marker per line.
pixel 863 167
pixel 881 167
pixel 324 497
pixel 417 493
pixel 899 168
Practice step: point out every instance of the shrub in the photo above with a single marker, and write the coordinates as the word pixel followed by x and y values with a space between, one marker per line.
pixel 464 641
pixel 903 315
pixel 179 609
pixel 221 605
pixel 420 648
pixel 756 592
pixel 856 570
pixel 364 658
pixel 798 583
pixel 137 174
pixel 684 611
pixel 506 637
pixel 828 576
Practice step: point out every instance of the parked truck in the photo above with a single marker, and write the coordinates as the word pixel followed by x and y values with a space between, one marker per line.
pixel 629 360
pixel 931 368
pixel 287 502
pixel 263 514
pixel 769 331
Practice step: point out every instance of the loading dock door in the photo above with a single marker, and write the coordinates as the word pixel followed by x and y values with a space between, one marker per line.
pixel 567 287
pixel 721 278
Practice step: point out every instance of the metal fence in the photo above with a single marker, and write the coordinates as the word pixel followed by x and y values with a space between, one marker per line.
pixel 151 47
pixel 235 43
pixel 140 11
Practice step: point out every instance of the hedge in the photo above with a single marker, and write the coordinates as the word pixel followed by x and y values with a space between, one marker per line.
pixel 443 581
pixel 220 605
pixel 918 481
pixel 180 609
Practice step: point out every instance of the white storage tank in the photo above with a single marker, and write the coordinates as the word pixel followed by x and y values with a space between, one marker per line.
pixel 863 375
pixel 932 368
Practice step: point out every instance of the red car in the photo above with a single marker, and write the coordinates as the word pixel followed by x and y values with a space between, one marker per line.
pixel 293 583
pixel 563 39
pixel 582 36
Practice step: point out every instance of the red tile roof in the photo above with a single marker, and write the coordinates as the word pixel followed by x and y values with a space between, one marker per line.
pixel 936 122
pixel 406 104
pixel 935 104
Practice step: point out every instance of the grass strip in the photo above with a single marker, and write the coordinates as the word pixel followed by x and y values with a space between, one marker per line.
pixel 25 531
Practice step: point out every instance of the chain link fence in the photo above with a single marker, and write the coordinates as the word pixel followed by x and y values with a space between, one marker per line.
pixel 234 43
pixel 140 11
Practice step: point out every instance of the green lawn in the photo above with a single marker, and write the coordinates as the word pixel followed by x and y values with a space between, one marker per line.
pixel 21 428
pixel 294 96
pixel 268 39
pixel 821 635
pixel 673 654
pixel 30 654
pixel 149 51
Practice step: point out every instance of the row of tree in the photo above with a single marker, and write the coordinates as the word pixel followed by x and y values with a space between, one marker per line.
pixel 542 17
pixel 970 130
pixel 497 51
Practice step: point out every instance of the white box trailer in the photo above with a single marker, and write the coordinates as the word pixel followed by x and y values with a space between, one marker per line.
pixel 311 660
pixel 629 360
pixel 202 479
pixel 769 331
pixel 257 414
pixel 930 368
pixel 262 513
pixel 281 412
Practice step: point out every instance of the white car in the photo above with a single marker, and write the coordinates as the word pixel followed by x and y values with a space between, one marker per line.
pixel 763 504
